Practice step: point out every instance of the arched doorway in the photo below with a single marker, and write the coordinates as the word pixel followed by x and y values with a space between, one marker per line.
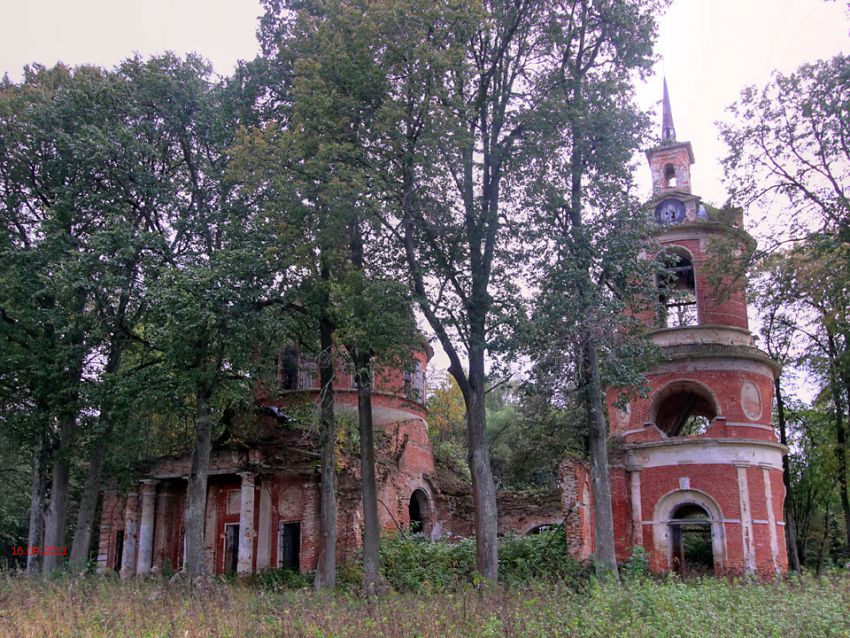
pixel 688 531
pixel 691 541
pixel 419 513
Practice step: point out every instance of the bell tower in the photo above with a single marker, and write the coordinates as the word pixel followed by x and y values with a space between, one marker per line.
pixel 701 469
pixel 670 162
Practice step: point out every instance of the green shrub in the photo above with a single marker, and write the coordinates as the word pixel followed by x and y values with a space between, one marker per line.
pixel 539 557
pixel 637 567
pixel 349 575
pixel 414 563
pixel 282 578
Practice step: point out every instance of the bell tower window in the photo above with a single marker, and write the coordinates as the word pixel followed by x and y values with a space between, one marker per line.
pixel 677 299
pixel 670 176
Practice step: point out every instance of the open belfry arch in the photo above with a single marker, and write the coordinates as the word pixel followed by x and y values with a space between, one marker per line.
pixel 698 479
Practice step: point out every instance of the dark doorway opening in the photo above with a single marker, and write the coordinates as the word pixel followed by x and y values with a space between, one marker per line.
pixel 289 555
pixel 231 547
pixel 119 549
pixel 690 531
pixel 419 513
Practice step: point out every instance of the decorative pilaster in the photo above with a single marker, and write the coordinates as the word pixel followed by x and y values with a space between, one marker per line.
pixel 131 521
pixel 746 519
pixel 143 564
pixel 245 558
pixel 771 517
pixel 637 514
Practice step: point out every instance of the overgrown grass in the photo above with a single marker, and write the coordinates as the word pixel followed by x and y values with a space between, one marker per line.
pixel 98 606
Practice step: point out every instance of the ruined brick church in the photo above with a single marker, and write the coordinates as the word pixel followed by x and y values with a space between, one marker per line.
pixel 696 469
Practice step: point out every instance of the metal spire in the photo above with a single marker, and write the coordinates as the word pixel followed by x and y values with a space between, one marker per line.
pixel 668 131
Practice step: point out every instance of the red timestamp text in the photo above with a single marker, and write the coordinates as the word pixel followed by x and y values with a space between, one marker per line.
pixel 38 550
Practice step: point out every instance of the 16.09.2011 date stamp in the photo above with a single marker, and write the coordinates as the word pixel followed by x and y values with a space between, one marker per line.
pixel 37 550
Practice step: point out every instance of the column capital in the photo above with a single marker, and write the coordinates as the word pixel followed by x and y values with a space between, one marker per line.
pixel 247 477
pixel 148 485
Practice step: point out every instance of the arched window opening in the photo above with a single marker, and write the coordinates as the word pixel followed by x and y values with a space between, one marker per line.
pixel 685 410
pixel 287 369
pixel 690 533
pixel 677 299
pixel 414 383
pixel 296 370
pixel 670 176
pixel 419 513
pixel 541 529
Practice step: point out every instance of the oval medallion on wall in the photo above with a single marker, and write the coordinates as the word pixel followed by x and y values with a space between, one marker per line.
pixel 751 400
pixel 622 416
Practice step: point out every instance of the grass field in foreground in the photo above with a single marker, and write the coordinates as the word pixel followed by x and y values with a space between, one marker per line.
pixel 96 606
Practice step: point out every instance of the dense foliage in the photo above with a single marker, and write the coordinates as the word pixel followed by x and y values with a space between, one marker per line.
pixel 415 564
pixel 789 161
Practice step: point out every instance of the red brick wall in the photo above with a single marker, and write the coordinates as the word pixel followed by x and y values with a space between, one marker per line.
pixel 720 483
pixel 723 384
pixel 577 500
pixel 621 506
pixel 521 512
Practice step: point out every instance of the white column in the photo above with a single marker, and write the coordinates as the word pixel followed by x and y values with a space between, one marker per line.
pixel 143 565
pixel 128 555
pixel 771 517
pixel 264 529
pixel 746 519
pixel 245 558
pixel 637 513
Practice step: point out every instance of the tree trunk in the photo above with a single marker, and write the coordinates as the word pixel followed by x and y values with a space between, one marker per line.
pixel 88 506
pixel 57 509
pixel 91 491
pixel 39 485
pixel 483 486
pixel 841 455
pixel 840 432
pixel 369 482
pixel 824 542
pixel 368 479
pixel 790 521
pixel 605 554
pixel 804 522
pixel 195 563
pixel 326 565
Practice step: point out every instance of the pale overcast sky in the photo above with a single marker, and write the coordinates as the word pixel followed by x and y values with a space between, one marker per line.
pixel 711 49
